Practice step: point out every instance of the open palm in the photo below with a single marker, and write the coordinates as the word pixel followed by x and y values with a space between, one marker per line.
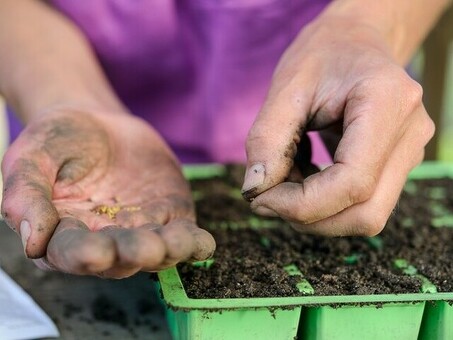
pixel 99 194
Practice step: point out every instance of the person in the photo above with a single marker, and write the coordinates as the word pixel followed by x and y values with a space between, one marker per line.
pixel 92 188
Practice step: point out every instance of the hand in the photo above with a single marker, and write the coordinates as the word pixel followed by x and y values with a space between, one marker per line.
pixel 99 194
pixel 337 72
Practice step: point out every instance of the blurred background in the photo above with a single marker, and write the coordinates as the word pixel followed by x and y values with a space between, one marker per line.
pixel 432 67
pixel 436 75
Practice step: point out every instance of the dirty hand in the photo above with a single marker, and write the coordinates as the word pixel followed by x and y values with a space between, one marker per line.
pixel 337 74
pixel 99 194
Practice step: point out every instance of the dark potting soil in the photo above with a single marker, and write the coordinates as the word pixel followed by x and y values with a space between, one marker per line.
pixel 104 309
pixel 250 261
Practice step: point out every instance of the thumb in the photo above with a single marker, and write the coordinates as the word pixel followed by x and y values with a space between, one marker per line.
pixel 272 143
pixel 27 202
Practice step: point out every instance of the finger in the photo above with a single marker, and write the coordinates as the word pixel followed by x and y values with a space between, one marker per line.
pixel 317 197
pixel 137 249
pixel 77 250
pixel 178 240
pixel 185 242
pixel 43 264
pixel 359 161
pixel 27 202
pixel 272 141
pixel 368 218
pixel 204 244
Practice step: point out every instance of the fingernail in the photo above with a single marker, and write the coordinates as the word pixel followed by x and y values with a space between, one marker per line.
pixel 263 211
pixel 25 231
pixel 43 264
pixel 254 176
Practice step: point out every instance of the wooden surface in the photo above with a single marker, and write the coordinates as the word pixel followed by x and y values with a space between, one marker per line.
pixel 71 300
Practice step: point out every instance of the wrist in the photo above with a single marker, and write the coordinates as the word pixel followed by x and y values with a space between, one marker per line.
pixel 30 101
pixel 401 25
pixel 92 108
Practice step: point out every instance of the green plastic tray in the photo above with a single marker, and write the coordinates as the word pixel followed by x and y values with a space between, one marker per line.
pixel 404 316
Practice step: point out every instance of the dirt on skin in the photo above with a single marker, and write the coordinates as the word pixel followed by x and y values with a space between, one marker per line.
pixel 249 261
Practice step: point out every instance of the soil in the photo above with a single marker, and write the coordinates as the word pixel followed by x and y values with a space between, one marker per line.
pixel 253 251
pixel 104 309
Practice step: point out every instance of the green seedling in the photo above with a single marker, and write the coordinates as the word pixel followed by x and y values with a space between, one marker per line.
pixel 375 242
pixel 351 259
pixel 255 222
pixel 265 242
pixel 438 209
pixel 303 285
pixel 407 222
pixel 408 269
pixel 443 221
pixel 224 225
pixel 204 264
pixel 438 193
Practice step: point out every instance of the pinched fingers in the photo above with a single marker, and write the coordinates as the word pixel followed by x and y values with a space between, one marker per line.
pixel 318 196
pixel 365 217
pixel 376 131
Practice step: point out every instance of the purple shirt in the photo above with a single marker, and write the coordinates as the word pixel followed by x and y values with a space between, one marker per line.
pixel 197 70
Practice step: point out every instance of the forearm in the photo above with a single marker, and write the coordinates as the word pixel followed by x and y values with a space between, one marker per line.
pixel 402 23
pixel 45 62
